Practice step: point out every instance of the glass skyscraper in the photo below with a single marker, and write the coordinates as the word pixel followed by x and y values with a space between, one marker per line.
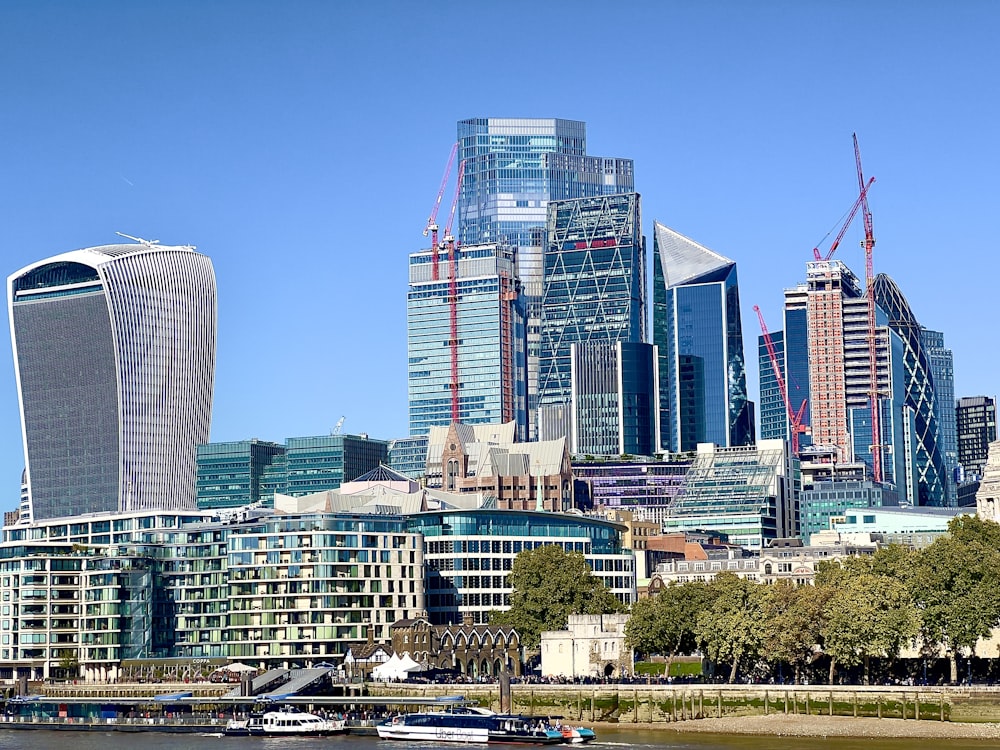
pixel 489 340
pixel 594 288
pixel 114 354
pixel 941 362
pixel 919 392
pixel 614 403
pixel 773 412
pixel 696 325
pixel 976 422
pixel 513 168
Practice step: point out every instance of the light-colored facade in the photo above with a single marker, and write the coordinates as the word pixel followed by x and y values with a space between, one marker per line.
pixel 78 597
pixel 486 459
pixel 114 355
pixel 910 527
pixel 988 495
pixel 591 646
pixel 306 587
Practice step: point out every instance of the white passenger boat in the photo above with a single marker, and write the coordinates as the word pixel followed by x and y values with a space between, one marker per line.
pixel 284 722
pixel 475 725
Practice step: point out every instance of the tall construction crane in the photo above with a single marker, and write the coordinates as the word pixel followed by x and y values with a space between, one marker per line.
pixel 869 246
pixel 843 230
pixel 432 226
pixel 449 243
pixel 795 426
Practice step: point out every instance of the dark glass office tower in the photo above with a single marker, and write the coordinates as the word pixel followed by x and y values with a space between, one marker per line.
pixel 976 422
pixel 696 325
pixel 614 401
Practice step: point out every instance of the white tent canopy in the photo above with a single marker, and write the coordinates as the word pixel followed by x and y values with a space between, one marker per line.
pixel 397 668
pixel 237 667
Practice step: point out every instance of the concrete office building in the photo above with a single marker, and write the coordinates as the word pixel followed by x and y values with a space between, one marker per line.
pixel 114 355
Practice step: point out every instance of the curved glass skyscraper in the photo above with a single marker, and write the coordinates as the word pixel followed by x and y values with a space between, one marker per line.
pixel 919 392
pixel 114 355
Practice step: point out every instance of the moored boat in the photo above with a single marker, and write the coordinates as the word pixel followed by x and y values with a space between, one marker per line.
pixel 469 725
pixel 284 722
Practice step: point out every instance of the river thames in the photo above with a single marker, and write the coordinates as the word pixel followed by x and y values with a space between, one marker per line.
pixel 608 739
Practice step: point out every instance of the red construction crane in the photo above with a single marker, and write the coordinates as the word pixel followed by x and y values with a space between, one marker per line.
pixel 869 245
pixel 449 243
pixel 795 426
pixel 850 217
pixel 432 225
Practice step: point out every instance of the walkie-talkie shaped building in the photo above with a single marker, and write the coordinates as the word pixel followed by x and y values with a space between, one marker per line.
pixel 114 354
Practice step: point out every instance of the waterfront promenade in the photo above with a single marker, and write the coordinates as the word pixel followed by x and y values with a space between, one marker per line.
pixel 794 710
pixel 667 704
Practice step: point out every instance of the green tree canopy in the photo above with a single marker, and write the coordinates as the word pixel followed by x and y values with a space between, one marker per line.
pixel 955 583
pixel 867 615
pixel 794 618
pixel 731 629
pixel 665 623
pixel 550 584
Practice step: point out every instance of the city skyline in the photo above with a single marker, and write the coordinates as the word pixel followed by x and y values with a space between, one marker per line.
pixel 248 158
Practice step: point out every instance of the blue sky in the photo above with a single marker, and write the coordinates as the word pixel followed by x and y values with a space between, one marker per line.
pixel 300 145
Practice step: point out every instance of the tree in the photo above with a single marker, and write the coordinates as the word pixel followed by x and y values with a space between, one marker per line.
pixel 730 630
pixel 794 618
pixel 550 584
pixel 867 615
pixel 665 623
pixel 955 583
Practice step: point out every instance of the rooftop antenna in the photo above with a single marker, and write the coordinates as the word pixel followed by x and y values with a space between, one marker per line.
pixel 140 240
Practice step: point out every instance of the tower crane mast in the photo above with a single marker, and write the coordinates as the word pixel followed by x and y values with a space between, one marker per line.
pixel 449 243
pixel 869 246
pixel 843 230
pixel 432 225
pixel 795 426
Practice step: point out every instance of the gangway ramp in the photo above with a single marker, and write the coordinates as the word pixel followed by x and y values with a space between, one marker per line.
pixel 300 680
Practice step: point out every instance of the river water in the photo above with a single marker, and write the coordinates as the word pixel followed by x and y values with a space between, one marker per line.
pixel 608 739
